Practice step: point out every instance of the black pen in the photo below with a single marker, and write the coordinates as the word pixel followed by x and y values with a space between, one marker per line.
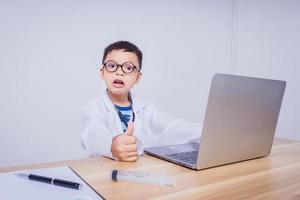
pixel 49 180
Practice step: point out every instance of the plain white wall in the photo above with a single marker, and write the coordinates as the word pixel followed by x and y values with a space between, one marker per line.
pixel 51 51
pixel 50 54
pixel 268 45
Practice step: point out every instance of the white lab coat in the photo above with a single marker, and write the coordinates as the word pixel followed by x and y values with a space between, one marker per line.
pixel 151 127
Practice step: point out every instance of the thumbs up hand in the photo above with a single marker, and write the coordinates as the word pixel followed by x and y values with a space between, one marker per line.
pixel 130 129
pixel 124 146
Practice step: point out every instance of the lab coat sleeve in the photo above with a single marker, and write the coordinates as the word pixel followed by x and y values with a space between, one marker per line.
pixel 167 130
pixel 95 137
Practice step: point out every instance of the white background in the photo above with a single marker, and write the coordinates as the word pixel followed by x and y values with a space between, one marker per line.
pixel 50 53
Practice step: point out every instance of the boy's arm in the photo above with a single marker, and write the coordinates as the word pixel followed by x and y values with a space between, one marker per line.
pixel 167 129
pixel 95 137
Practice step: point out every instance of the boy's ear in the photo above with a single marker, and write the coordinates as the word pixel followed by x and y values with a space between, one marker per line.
pixel 138 78
pixel 101 72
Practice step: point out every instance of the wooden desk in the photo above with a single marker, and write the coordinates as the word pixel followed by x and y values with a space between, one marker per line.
pixel 274 177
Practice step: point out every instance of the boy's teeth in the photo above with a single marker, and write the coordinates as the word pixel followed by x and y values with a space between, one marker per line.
pixel 118 81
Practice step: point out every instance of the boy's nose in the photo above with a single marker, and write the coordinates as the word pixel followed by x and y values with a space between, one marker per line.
pixel 120 71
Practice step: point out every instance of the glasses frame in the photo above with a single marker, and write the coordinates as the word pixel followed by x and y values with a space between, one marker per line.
pixel 121 66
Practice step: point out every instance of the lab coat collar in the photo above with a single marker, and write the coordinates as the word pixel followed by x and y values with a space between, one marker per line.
pixel 137 104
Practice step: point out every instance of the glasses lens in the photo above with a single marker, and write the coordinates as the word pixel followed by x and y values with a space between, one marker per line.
pixel 128 67
pixel 111 66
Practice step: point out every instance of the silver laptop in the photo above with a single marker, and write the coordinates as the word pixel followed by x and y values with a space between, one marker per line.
pixel 239 124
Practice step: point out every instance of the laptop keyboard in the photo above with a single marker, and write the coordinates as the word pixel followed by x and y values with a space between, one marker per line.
pixel 187 157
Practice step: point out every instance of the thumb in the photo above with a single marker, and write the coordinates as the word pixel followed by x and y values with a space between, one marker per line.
pixel 130 129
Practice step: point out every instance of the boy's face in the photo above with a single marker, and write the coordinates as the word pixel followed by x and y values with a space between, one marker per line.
pixel 118 82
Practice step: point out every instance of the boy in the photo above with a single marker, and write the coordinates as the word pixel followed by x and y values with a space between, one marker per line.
pixel 119 125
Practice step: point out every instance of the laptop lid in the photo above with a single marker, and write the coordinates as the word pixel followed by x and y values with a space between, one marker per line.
pixel 240 120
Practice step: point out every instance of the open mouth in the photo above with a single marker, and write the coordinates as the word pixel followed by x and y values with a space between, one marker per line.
pixel 118 82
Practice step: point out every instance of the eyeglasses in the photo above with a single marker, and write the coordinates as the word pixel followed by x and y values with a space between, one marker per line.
pixel 127 67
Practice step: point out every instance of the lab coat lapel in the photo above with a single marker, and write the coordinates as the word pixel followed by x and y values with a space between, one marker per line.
pixel 137 105
pixel 110 108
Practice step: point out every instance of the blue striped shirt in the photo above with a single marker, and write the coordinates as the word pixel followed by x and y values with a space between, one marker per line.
pixel 126 114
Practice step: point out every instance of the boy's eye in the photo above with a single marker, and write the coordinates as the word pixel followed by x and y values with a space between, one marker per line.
pixel 111 65
pixel 128 67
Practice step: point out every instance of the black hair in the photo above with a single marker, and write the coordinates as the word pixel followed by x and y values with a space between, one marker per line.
pixel 127 47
